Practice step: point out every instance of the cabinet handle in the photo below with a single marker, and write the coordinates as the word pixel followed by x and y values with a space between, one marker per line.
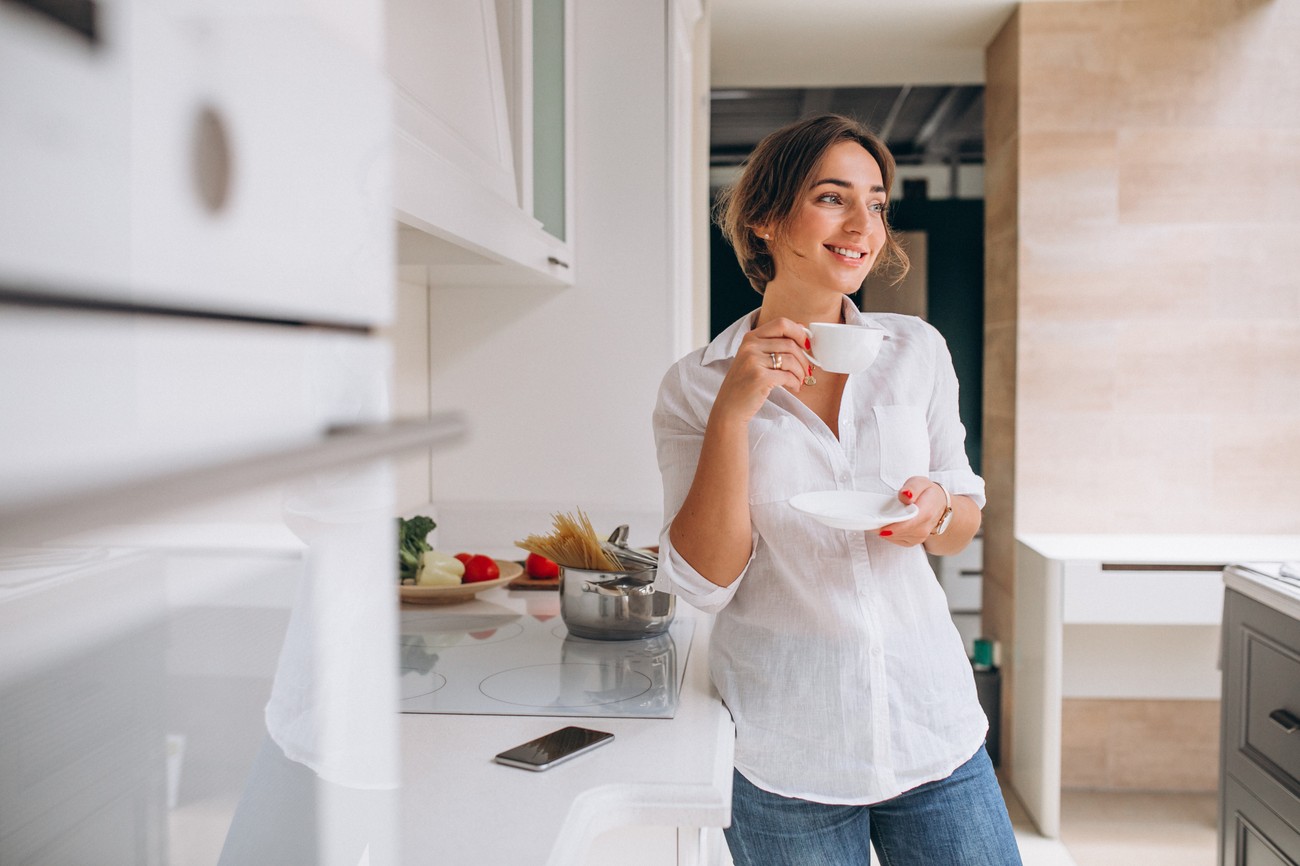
pixel 553 260
pixel 1285 720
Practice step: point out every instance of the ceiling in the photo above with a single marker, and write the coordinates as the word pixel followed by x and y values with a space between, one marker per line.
pixel 851 43
pixel 912 69
pixel 923 124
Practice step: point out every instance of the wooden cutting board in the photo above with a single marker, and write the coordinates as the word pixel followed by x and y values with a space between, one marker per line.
pixel 527 581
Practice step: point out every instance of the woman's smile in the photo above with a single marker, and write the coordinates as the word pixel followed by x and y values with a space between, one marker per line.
pixel 854 255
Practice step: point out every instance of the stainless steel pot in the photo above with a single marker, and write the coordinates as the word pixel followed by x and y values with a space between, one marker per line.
pixel 614 605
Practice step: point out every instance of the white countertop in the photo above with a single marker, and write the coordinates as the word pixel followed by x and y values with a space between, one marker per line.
pixel 1172 548
pixel 459 806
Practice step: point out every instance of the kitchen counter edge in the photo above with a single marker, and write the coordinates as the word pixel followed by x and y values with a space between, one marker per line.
pixel 1255 583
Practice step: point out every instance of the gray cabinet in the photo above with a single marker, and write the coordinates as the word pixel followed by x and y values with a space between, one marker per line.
pixel 1259 816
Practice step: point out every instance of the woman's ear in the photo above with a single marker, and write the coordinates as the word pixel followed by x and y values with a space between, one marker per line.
pixel 764 231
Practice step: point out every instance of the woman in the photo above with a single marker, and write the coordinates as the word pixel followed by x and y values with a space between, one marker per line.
pixel 857 720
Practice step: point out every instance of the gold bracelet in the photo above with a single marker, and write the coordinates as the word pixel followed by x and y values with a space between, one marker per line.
pixel 944 519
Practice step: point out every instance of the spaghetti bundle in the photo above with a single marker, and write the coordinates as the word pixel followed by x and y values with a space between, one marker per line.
pixel 573 544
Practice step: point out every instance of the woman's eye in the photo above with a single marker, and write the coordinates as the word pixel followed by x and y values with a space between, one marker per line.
pixel 832 197
pixel 877 207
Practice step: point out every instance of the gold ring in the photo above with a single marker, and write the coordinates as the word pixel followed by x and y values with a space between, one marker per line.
pixel 776 361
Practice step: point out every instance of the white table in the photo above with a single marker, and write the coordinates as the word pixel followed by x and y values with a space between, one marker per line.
pixel 659 793
pixel 1103 579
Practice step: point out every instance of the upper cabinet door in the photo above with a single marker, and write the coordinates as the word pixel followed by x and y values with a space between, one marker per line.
pixel 207 156
pixel 482 91
pixel 449 93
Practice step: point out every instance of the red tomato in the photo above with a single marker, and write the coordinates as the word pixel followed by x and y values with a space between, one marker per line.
pixel 464 558
pixel 541 567
pixel 479 568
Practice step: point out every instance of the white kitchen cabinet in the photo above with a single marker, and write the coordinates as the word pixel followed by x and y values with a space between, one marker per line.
pixel 659 846
pixel 230 158
pixel 97 398
pixel 1070 589
pixel 483 141
pixel 65 139
pixel 174 691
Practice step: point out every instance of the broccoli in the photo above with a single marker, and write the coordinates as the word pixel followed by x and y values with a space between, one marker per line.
pixel 411 544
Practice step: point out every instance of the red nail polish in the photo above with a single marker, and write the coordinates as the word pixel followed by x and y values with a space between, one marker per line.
pixel 810 369
pixel 885 532
pixel 907 493
pixel 807 343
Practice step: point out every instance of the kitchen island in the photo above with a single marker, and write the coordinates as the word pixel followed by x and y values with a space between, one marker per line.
pixel 658 794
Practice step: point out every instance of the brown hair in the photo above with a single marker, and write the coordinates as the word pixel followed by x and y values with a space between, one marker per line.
pixel 776 175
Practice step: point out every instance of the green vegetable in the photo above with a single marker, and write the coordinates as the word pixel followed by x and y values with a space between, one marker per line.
pixel 411 544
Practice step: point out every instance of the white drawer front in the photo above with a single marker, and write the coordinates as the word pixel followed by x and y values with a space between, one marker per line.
pixel 1152 595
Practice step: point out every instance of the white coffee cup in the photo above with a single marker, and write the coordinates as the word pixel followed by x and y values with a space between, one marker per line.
pixel 844 348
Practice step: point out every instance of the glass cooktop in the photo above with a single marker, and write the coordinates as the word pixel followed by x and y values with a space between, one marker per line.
pixel 517 664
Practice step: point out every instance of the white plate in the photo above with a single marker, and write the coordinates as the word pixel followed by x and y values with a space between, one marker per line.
pixel 462 592
pixel 852 509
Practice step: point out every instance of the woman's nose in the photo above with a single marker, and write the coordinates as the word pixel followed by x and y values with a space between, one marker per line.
pixel 857 219
pixel 864 218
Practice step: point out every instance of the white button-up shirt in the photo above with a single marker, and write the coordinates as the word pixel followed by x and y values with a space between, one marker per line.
pixel 834 650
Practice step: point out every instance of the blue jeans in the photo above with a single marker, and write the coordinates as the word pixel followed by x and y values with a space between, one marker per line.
pixel 958 821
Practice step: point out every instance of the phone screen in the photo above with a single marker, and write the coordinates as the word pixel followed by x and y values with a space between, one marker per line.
pixel 547 751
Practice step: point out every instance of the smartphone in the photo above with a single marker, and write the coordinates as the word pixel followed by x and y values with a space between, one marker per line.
pixel 548 750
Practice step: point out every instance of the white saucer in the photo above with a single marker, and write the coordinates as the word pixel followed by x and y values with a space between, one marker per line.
pixel 852 509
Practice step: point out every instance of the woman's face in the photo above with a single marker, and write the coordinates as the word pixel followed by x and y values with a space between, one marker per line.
pixel 837 227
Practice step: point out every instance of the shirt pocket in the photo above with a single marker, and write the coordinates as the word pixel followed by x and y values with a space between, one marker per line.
pixel 904 443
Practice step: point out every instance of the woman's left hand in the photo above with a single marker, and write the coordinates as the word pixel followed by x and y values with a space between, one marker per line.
pixel 929 501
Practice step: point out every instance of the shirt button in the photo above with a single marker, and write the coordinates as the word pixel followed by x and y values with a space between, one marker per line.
pixel 877 651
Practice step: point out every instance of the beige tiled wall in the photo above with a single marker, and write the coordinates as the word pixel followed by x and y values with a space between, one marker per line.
pixel 1142 274
pixel 1001 203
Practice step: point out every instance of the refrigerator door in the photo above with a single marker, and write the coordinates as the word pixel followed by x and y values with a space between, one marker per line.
pixel 205 685
pixel 197 600
pixel 229 158
pixel 197 591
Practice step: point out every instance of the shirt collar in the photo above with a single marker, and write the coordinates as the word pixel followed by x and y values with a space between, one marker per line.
pixel 726 344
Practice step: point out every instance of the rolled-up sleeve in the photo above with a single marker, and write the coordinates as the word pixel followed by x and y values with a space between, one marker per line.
pixel 679 437
pixel 949 464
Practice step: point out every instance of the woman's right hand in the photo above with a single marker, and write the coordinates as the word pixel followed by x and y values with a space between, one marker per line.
pixel 753 374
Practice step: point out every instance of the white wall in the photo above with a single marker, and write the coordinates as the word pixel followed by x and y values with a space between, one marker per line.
pixel 558 385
